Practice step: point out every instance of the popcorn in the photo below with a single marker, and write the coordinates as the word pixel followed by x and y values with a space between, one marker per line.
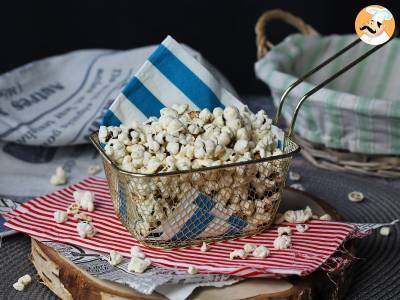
pixel 325 217
pixel 85 199
pixel 302 228
pixel 297 186
pixel 25 280
pixel 152 165
pixel 284 231
pixel 218 112
pixel 205 115
pixel 261 252
pixel 231 112
pixel 248 248
pixel 73 208
pixel 18 286
pixel 60 216
pixel 385 231
pixel 115 258
pixel 85 229
pixel 166 111
pixel 298 216
pixel 183 163
pixel 173 148
pixel 82 217
pixel 282 242
pixel 241 146
pixel 193 135
pixel 182 139
pixel 137 252
pixel 204 247
pixel 238 253
pixel 356 196
pixel 103 134
pixel 174 127
pixel 192 270
pixel 59 178
pixel 181 108
pixel 138 265
pixel 294 176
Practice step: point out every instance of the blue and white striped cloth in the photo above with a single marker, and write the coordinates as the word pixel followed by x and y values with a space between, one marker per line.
pixel 170 75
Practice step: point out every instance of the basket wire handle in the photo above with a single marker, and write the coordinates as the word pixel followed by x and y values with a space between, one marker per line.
pixel 308 74
pixel 329 79
pixel 262 43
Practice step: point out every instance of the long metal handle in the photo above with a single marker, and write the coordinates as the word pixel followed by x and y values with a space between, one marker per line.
pixel 325 82
pixel 308 74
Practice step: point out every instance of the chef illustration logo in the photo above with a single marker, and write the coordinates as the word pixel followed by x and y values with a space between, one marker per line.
pixel 375 24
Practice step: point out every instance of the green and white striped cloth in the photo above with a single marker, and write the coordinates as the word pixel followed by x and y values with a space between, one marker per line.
pixel 359 111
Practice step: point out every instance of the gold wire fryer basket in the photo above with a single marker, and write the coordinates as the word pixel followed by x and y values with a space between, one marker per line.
pixel 177 209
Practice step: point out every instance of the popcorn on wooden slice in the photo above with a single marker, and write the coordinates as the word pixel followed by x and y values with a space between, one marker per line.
pixel 85 199
pixel 59 178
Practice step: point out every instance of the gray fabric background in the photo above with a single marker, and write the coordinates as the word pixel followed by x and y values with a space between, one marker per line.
pixel 376 273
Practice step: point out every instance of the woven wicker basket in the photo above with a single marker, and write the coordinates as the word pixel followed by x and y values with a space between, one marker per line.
pixel 178 209
pixel 323 154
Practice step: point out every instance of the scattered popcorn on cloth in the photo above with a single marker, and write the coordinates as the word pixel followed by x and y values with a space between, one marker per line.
pixel 35 218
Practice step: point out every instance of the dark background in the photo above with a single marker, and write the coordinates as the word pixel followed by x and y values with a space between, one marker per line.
pixel 222 30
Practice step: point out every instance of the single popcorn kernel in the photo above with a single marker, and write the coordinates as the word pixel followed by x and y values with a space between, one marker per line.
pixel 204 247
pixel 18 286
pixel 238 253
pixel 25 280
pixel 282 242
pixel 261 252
pixel 248 248
pixel 59 178
pixel 192 270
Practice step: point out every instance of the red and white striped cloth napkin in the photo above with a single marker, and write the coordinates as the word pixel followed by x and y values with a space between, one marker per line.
pixel 310 250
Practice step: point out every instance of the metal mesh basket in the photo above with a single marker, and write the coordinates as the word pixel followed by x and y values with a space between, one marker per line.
pixel 177 209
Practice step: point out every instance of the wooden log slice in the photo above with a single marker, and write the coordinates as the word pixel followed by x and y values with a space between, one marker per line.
pixel 68 281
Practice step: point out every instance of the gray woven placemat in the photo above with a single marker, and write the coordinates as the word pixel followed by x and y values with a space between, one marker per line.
pixel 376 273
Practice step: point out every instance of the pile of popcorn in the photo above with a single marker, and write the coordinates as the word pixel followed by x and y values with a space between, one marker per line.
pixel 183 139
